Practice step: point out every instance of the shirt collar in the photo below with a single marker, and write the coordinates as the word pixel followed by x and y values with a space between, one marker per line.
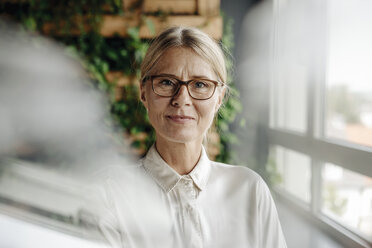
pixel 168 178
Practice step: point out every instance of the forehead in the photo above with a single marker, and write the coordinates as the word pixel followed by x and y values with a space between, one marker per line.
pixel 183 63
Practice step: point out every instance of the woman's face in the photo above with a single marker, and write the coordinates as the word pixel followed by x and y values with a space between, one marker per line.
pixel 181 118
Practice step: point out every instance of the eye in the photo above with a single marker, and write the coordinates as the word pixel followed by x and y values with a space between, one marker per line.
pixel 201 84
pixel 166 82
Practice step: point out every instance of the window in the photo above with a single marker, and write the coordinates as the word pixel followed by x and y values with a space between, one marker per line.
pixel 294 170
pixel 290 101
pixel 349 74
pixel 289 98
pixel 321 112
pixel 347 197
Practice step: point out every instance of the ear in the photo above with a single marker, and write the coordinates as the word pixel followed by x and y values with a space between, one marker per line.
pixel 143 94
pixel 221 96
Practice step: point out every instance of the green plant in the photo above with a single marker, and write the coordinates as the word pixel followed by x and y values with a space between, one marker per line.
pixel 232 105
pixel 333 201
pixel 271 173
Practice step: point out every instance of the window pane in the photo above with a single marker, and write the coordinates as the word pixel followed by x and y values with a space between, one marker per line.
pixel 290 105
pixel 290 68
pixel 347 198
pixel 295 171
pixel 349 74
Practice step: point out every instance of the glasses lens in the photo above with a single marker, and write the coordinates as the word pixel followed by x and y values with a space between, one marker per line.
pixel 165 86
pixel 201 88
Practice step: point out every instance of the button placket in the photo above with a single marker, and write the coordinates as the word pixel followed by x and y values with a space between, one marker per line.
pixel 192 228
pixel 190 189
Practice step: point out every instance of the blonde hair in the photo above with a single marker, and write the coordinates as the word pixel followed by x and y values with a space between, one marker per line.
pixel 187 37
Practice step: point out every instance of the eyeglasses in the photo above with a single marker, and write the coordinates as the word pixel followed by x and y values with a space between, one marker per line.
pixel 169 86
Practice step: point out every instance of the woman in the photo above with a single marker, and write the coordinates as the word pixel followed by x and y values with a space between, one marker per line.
pixel 187 200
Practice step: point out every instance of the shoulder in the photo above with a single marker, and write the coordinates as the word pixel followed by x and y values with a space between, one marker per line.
pixel 244 178
pixel 240 182
pixel 235 171
pixel 238 176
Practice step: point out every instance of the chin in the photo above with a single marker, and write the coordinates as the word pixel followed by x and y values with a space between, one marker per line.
pixel 182 137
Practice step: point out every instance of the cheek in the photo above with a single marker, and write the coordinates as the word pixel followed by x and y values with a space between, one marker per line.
pixel 156 107
pixel 157 104
pixel 207 112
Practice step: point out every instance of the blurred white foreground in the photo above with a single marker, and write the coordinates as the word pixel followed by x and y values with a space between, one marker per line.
pixel 52 138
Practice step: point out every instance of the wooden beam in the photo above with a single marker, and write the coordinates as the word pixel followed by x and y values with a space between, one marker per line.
pixel 120 80
pixel 119 25
pixel 191 7
pixel 116 24
pixel 170 6
pixel 129 4
pixel 209 7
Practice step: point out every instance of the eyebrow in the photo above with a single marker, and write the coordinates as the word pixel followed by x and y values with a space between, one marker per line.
pixel 172 75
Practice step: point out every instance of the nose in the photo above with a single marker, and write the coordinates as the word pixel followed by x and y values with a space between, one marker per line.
pixel 182 98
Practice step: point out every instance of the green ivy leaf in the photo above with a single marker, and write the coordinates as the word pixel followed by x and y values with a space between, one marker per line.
pixel 150 25
pixel 112 54
pixel 124 53
pixel 133 33
pixel 30 23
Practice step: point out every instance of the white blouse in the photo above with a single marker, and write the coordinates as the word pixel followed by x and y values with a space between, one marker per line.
pixel 215 205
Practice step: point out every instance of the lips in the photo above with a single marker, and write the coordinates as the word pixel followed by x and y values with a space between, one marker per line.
pixel 180 118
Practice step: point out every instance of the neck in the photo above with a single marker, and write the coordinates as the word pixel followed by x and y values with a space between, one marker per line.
pixel 182 157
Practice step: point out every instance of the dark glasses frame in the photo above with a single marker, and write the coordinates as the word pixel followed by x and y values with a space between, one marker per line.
pixel 180 83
